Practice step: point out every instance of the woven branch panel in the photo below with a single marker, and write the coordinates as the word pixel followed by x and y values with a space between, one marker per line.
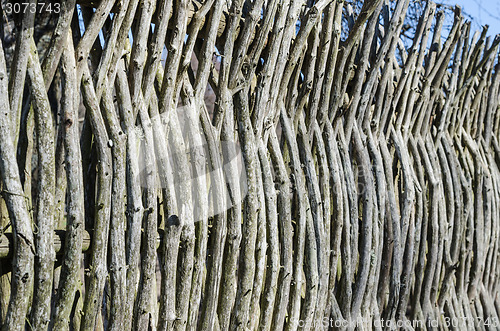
pixel 248 165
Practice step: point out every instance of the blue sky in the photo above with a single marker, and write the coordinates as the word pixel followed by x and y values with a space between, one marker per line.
pixel 483 11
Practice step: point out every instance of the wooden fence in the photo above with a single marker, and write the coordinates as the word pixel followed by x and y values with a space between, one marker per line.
pixel 334 183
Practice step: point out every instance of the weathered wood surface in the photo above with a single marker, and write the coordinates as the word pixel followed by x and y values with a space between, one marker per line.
pixel 336 181
pixel 7 242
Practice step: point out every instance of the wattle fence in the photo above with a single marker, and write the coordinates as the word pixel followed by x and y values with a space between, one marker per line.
pixel 248 165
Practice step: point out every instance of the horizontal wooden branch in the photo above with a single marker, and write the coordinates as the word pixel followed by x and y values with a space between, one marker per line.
pixel 7 242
